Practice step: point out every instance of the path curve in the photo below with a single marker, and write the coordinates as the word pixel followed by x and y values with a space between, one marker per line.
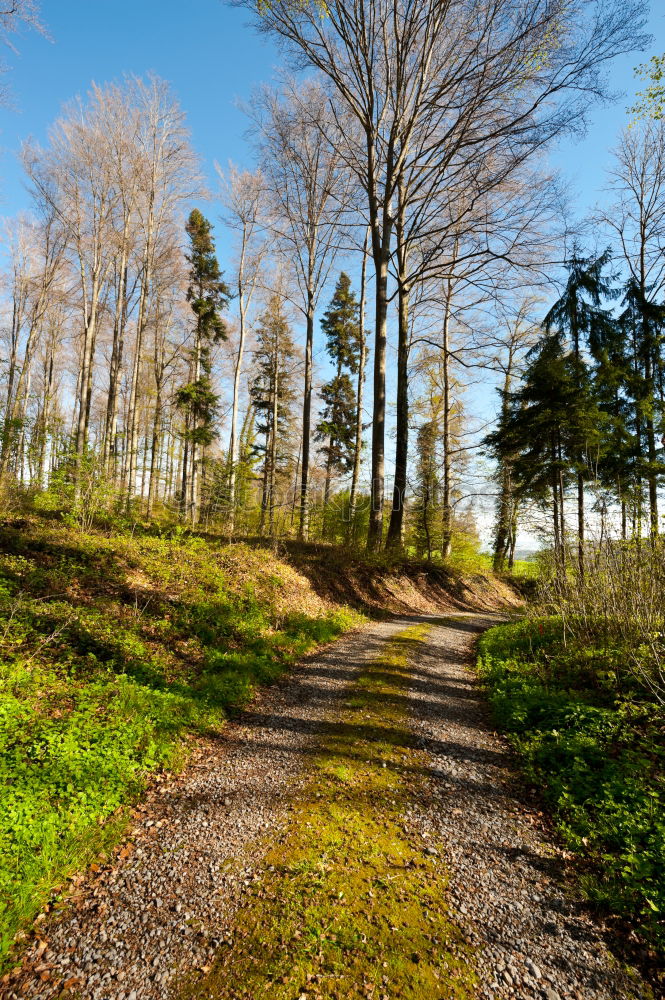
pixel 163 907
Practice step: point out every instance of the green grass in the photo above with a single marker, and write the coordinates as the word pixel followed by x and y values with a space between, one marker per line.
pixel 347 904
pixel 113 651
pixel 597 756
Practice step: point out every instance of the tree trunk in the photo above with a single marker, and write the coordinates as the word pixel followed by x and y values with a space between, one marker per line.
pixel 303 532
pixel 109 448
pixel 362 361
pixel 87 357
pixel 396 526
pixel 8 423
pixel 555 504
pixel 273 445
pixel 447 510
pixel 233 443
pixel 377 486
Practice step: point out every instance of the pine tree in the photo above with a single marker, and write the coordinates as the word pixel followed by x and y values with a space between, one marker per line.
pixel 425 510
pixel 643 320
pixel 208 295
pixel 272 395
pixel 579 315
pixel 610 345
pixel 337 427
pixel 549 422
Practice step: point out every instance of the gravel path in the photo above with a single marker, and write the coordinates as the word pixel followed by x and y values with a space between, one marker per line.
pixel 534 939
pixel 166 903
pixel 166 907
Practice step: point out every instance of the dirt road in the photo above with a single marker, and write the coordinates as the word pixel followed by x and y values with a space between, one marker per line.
pixel 154 923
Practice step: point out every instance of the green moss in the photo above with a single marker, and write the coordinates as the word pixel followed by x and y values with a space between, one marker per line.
pixel 348 904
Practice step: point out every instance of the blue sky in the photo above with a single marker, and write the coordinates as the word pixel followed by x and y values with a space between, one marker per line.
pixel 212 58
pixel 204 48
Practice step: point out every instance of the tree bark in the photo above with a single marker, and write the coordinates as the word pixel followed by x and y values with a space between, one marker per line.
pixel 360 392
pixel 396 526
pixel 447 511
pixel 303 532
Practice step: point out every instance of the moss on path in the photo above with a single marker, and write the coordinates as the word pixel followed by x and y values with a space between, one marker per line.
pixel 350 903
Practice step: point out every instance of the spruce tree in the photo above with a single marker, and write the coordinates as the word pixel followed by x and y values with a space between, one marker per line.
pixel 426 510
pixel 337 427
pixel 644 323
pixel 610 345
pixel 577 316
pixel 549 422
pixel 272 396
pixel 208 295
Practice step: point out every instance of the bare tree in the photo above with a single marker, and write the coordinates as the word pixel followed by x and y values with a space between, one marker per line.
pixel 308 188
pixel 465 77
pixel 37 264
pixel 169 178
pixel 244 197
pixel 74 177
pixel 14 15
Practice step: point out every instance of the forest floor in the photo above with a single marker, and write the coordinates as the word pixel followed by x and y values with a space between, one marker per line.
pixel 359 831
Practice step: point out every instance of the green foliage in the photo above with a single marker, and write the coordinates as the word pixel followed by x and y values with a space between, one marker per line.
pixel 208 295
pixel 651 103
pixel 112 650
pixel 82 499
pixel 337 427
pixel 599 759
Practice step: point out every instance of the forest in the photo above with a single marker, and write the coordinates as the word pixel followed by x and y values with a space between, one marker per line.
pixel 385 380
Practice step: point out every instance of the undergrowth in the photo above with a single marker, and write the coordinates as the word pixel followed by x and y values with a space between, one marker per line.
pixel 596 751
pixel 348 904
pixel 113 651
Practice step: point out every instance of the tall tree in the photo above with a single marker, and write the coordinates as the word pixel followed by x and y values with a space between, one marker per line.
pixel 273 395
pixel 208 296
pixel 636 220
pixel 309 188
pixel 401 70
pixel 579 316
pixel 244 195
pixel 337 426
pixel 507 352
pixel 548 422
pixel 360 387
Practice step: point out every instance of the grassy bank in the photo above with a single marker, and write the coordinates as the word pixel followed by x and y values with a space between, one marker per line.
pixel 596 749
pixel 113 650
pixel 348 904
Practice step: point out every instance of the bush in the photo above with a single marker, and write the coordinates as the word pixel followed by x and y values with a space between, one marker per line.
pixel 598 758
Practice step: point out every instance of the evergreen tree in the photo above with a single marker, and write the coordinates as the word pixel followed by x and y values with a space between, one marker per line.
pixel 208 295
pixel 549 422
pixel 610 346
pixel 337 427
pixel 272 396
pixel 426 509
pixel 643 322
pixel 579 316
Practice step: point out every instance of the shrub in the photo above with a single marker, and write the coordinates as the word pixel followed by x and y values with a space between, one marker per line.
pixel 598 758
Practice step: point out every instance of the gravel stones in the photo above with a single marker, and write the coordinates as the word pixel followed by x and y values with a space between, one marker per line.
pixel 136 929
pixel 533 935
pixel 163 909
